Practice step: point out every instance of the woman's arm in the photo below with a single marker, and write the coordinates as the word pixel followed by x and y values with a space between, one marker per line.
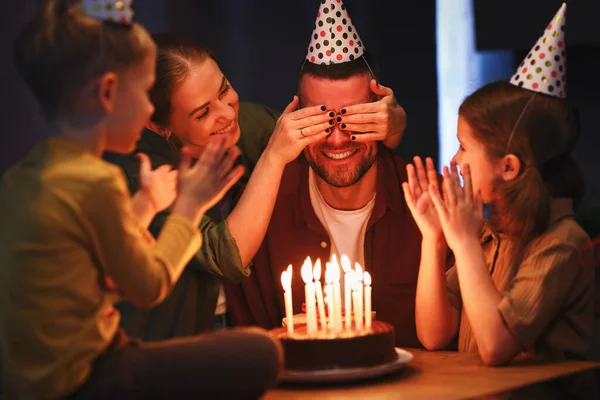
pixel 249 220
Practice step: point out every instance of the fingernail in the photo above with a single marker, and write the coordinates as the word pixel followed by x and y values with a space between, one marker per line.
pixel 343 126
pixel 323 108
pixel 343 111
pixel 327 130
pixel 332 114
pixel 353 137
pixel 339 119
pixel 331 122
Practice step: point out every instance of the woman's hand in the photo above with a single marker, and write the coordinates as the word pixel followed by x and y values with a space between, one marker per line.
pixel 383 120
pixel 416 193
pixel 460 212
pixel 296 129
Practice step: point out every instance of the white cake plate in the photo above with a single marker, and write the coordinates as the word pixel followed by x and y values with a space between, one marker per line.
pixel 348 374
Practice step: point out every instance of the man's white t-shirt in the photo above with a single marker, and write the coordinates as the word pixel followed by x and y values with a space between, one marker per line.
pixel 346 229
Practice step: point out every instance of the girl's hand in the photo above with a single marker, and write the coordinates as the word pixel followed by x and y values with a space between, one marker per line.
pixel 460 212
pixel 296 129
pixel 204 183
pixel 416 193
pixel 383 120
pixel 158 187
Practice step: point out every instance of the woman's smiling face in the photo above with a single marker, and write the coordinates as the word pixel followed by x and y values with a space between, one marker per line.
pixel 204 104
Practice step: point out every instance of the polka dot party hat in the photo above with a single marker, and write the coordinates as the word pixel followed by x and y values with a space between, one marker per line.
pixel 334 39
pixel 118 11
pixel 544 70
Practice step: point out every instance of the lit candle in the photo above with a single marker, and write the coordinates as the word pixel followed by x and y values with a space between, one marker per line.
pixel 286 282
pixel 319 292
pixel 309 292
pixel 329 295
pixel 347 267
pixel 337 294
pixel 367 281
pixel 359 288
pixel 357 303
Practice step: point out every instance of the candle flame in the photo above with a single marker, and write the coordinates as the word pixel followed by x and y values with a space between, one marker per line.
pixel 328 273
pixel 367 279
pixel 359 272
pixel 335 270
pixel 286 279
pixel 307 275
pixel 346 265
pixel 317 270
pixel 334 261
pixel 308 261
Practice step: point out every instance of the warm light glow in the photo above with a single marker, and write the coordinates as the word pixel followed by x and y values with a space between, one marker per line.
pixel 335 270
pixel 307 275
pixel 334 261
pixel 367 279
pixel 351 276
pixel 359 272
pixel 317 270
pixel 308 261
pixel 286 279
pixel 328 274
pixel 346 265
pixel 355 283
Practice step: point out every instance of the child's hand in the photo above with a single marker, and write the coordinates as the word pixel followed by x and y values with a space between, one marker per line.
pixel 461 212
pixel 416 193
pixel 159 187
pixel 204 183
pixel 296 129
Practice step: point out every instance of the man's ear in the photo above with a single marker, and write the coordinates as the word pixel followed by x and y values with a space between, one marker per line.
pixel 154 127
pixel 511 167
pixel 106 91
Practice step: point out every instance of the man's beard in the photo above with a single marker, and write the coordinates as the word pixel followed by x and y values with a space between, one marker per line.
pixel 347 175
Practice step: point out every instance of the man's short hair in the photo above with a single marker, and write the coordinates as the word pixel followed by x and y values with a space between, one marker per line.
pixel 360 65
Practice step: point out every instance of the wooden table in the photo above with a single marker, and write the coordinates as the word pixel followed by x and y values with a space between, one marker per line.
pixel 438 375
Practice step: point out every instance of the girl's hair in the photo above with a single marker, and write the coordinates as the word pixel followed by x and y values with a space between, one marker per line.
pixel 60 50
pixel 545 131
pixel 175 60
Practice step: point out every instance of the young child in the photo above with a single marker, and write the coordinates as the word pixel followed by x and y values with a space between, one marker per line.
pixel 517 284
pixel 72 242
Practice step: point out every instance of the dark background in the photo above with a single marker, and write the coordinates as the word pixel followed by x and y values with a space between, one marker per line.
pixel 260 44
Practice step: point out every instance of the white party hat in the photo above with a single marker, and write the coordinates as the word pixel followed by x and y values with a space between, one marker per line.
pixel 334 39
pixel 544 70
pixel 117 11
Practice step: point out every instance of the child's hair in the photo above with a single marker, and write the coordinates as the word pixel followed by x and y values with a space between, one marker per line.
pixel 543 139
pixel 174 61
pixel 60 50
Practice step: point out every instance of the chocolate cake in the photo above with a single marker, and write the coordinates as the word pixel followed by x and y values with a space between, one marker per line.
pixel 325 350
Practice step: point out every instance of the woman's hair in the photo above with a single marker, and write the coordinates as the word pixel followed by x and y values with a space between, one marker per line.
pixel 176 58
pixel 540 131
pixel 60 50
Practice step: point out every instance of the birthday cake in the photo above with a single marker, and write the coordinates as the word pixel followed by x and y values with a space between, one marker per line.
pixel 347 349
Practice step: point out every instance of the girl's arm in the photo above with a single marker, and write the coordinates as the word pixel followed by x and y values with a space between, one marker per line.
pixel 437 321
pixel 461 216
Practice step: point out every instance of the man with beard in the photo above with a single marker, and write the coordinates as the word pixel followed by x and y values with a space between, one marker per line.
pixel 343 195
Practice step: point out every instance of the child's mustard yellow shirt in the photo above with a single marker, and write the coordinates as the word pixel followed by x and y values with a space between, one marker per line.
pixel 65 224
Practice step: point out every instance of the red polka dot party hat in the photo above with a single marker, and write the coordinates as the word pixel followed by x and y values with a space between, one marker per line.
pixel 544 70
pixel 118 11
pixel 334 39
